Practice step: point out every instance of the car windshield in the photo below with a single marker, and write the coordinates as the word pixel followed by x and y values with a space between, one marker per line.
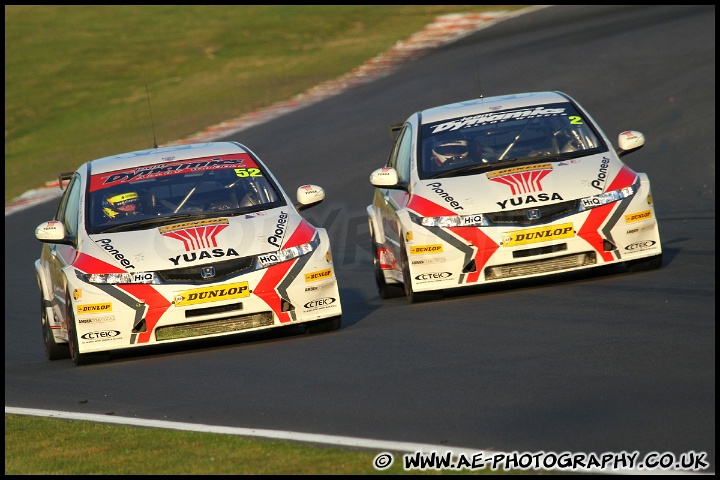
pixel 149 195
pixel 459 146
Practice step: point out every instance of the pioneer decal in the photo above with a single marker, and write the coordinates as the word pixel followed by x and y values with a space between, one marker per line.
pixel 196 235
pixel 424 249
pixel 529 199
pixel 435 186
pixel 211 294
pixel 105 244
pixel 637 217
pixel 534 235
pixel 94 308
pixel 522 179
pixel 599 182
pixel 318 275
pixel 279 233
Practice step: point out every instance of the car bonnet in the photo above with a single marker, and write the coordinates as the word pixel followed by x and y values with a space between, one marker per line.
pixel 194 242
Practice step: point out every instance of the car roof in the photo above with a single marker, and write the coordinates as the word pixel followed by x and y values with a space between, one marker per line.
pixel 490 104
pixel 164 154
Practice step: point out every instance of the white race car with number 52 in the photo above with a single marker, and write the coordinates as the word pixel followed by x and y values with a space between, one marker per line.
pixel 506 188
pixel 178 243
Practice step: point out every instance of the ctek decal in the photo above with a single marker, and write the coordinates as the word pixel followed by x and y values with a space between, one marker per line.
pixel 423 249
pixel 642 245
pixel 196 235
pixel 522 179
pixel 534 235
pixel 94 308
pixel 637 217
pixel 107 334
pixel 435 276
pixel 211 294
pixel 319 275
pixel 320 303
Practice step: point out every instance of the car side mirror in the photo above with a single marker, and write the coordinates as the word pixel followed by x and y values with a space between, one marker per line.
pixel 629 141
pixel 385 177
pixel 52 232
pixel 309 196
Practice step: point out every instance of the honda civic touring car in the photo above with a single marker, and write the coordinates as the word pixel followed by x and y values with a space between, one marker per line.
pixel 179 243
pixel 506 188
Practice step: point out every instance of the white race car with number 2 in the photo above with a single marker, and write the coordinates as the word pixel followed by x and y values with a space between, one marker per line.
pixel 506 188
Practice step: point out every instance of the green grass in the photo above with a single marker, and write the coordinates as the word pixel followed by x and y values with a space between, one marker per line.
pixel 78 78
pixel 48 446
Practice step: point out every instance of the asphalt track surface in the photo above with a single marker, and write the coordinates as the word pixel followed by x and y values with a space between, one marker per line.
pixel 607 361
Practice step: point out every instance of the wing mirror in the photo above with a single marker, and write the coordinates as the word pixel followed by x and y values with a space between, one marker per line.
pixel 309 196
pixel 385 177
pixel 629 141
pixel 51 232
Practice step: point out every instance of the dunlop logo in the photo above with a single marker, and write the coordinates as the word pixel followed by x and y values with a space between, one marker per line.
pixel 212 294
pixel 424 249
pixel 636 217
pixel 94 308
pixel 319 275
pixel 542 234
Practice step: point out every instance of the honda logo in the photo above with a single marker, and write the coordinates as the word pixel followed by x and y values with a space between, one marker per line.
pixel 532 213
pixel 207 272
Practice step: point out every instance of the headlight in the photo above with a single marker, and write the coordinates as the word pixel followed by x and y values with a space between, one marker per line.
pixel 273 258
pixel 476 220
pixel 113 278
pixel 607 197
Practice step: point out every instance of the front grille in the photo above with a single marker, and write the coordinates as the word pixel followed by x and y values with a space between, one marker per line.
pixel 547 213
pixel 212 327
pixel 549 265
pixel 223 271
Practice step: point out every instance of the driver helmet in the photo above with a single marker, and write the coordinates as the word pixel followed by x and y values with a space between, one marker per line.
pixel 122 204
pixel 450 147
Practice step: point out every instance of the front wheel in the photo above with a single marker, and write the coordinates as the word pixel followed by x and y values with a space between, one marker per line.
pixel 412 295
pixel 77 357
pixel 384 289
pixel 53 350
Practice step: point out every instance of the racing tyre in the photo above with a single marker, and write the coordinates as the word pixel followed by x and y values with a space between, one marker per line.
pixel 413 296
pixel 384 289
pixel 77 357
pixel 644 264
pixel 53 350
pixel 321 326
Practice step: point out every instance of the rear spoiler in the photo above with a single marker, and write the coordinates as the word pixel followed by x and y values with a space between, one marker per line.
pixel 394 128
pixel 64 177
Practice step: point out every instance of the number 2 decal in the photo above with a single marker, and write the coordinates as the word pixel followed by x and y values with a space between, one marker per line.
pixel 248 172
pixel 575 120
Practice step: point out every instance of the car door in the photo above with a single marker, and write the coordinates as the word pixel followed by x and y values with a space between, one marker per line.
pixel 389 201
pixel 61 255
